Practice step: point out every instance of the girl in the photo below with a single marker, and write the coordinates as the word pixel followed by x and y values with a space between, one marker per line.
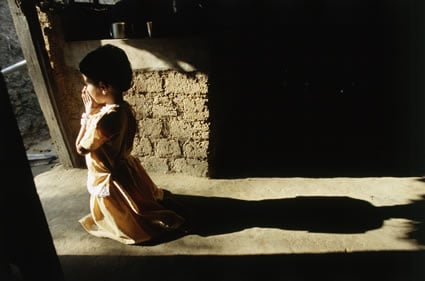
pixel 125 204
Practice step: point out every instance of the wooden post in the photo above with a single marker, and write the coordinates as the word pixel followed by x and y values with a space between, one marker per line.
pixel 25 18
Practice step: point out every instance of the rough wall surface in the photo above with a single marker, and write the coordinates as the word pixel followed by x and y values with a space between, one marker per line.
pixel 171 108
pixel 29 116
pixel 66 103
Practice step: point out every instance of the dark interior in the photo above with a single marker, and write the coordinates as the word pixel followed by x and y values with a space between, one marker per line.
pixel 317 88
pixel 312 88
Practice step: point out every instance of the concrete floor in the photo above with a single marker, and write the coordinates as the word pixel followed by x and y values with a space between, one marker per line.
pixel 252 229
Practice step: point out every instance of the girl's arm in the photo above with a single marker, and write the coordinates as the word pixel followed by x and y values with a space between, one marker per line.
pixel 89 105
pixel 81 150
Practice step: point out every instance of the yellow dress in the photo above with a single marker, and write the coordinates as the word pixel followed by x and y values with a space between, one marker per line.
pixel 124 201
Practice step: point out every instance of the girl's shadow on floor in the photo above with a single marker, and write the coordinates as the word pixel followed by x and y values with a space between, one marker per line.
pixel 326 214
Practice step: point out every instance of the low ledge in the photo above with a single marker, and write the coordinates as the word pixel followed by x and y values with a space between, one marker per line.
pixel 153 54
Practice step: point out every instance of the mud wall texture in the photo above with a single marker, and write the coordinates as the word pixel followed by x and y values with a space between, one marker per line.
pixel 170 101
pixel 171 108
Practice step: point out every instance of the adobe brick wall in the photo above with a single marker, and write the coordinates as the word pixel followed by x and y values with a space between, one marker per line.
pixel 169 95
pixel 171 109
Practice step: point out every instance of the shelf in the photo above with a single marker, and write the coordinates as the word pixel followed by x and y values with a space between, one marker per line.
pixel 184 54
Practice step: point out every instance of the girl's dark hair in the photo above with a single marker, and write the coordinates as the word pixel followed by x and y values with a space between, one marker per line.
pixel 108 64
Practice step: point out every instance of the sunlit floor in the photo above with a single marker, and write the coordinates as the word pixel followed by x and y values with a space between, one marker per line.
pixel 253 229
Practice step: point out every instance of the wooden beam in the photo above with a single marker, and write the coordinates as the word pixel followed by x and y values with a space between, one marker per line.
pixel 26 21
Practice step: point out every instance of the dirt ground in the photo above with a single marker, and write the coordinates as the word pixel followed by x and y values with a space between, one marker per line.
pixel 340 229
pixel 41 155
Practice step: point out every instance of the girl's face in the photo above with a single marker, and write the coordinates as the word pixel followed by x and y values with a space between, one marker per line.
pixel 94 90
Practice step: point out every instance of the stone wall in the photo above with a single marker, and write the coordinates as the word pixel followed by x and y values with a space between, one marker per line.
pixel 29 116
